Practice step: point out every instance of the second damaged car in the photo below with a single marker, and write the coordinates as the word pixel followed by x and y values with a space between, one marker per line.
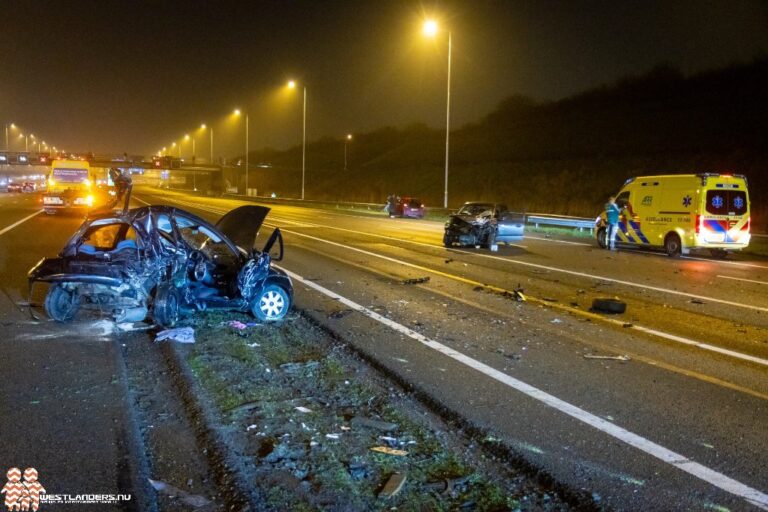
pixel 163 262
pixel 483 225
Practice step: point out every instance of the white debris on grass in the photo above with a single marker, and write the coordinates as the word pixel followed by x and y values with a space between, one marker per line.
pixel 180 334
pixel 303 409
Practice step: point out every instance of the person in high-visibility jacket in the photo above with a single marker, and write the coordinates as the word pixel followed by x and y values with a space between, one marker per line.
pixel 612 212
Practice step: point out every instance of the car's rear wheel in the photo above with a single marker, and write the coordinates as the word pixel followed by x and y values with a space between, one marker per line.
pixel 165 307
pixel 602 238
pixel 61 304
pixel 272 304
pixel 672 245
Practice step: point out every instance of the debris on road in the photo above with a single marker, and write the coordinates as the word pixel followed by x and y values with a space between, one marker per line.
pixel 417 280
pixel 186 498
pixel 305 410
pixel 297 367
pixel 389 451
pixel 179 334
pixel 341 313
pixel 555 321
pixel 608 305
pixel 697 301
pixel 393 486
pixel 612 358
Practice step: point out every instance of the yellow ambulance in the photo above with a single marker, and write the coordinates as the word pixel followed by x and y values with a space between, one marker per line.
pixel 683 212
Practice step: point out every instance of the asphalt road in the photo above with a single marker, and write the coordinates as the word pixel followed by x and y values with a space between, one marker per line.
pixel 680 425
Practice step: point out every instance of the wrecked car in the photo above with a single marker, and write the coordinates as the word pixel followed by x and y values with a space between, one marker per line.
pixel 483 225
pixel 163 262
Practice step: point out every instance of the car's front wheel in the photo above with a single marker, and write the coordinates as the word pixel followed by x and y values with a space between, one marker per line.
pixel 602 238
pixel 165 307
pixel 272 304
pixel 61 304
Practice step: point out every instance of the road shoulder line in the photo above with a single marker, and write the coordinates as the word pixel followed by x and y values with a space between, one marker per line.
pixel 753 496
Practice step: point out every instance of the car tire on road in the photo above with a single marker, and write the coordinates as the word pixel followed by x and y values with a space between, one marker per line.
pixel 672 245
pixel 165 307
pixel 272 304
pixel 61 304
pixel 447 240
pixel 612 306
pixel 602 235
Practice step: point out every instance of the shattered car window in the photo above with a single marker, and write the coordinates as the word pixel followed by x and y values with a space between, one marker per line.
pixel 476 209
pixel 107 237
pixel 202 239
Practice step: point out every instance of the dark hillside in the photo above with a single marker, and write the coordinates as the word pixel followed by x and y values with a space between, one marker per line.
pixel 559 157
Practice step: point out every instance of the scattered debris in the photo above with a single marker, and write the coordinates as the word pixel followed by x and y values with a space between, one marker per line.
pixel 341 313
pixel 607 305
pixel 449 486
pixel 613 358
pixel 357 470
pixel 174 492
pixel 417 280
pixel 449 260
pixel 179 334
pixel 333 436
pixel 389 451
pixel 384 426
pixel 555 321
pixel 697 301
pixel 627 325
pixel 303 409
pixel 251 427
pixel 252 345
pixel 549 299
pixel 393 486
pixel 236 324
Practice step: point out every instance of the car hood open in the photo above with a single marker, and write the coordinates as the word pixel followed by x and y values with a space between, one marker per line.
pixel 242 224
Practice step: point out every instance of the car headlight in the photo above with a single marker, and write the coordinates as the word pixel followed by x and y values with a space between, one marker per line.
pixel 89 200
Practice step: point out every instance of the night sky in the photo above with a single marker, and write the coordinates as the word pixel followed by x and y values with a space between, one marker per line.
pixel 132 76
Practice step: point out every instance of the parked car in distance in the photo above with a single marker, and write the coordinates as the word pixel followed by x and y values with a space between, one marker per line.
pixel 408 207
pixel 163 262
pixel 14 186
pixel 483 225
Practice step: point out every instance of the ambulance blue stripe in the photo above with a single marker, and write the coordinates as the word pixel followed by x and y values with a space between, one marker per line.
pixel 640 234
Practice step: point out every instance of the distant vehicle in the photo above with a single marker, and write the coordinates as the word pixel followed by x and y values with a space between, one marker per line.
pixel 483 225
pixel 69 187
pixel 408 207
pixel 28 186
pixel 14 186
pixel 683 212
pixel 163 262
pixel 3 159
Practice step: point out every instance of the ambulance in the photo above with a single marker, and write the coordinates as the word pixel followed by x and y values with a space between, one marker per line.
pixel 683 212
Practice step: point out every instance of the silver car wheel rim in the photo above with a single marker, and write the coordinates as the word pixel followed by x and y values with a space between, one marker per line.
pixel 272 304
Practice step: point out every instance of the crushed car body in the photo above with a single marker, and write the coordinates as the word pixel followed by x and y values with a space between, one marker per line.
pixel 483 225
pixel 163 262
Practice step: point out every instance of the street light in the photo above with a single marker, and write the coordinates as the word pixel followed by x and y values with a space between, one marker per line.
pixel 430 30
pixel 237 113
pixel 26 142
pixel 204 127
pixel 347 139
pixel 7 143
pixel 292 85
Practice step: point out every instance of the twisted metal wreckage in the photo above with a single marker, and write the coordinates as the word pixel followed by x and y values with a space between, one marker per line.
pixel 163 262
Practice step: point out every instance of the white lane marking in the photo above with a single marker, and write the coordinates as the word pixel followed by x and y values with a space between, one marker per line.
pixel 557 241
pixel 725 262
pixel 544 267
pixel 742 279
pixel 677 460
pixel 647 330
pixel 705 346
pixel 25 219
pixel 627 283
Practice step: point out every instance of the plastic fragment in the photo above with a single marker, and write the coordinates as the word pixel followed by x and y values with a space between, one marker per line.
pixel 389 451
pixel 179 334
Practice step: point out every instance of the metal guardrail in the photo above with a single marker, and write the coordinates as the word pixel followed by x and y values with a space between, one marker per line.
pixel 579 223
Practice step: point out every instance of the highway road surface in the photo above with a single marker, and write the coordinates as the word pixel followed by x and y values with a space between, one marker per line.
pixel 661 408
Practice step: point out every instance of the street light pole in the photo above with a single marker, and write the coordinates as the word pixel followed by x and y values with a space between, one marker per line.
pixel 447 122
pixel 346 139
pixel 246 154
pixel 211 145
pixel 304 143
